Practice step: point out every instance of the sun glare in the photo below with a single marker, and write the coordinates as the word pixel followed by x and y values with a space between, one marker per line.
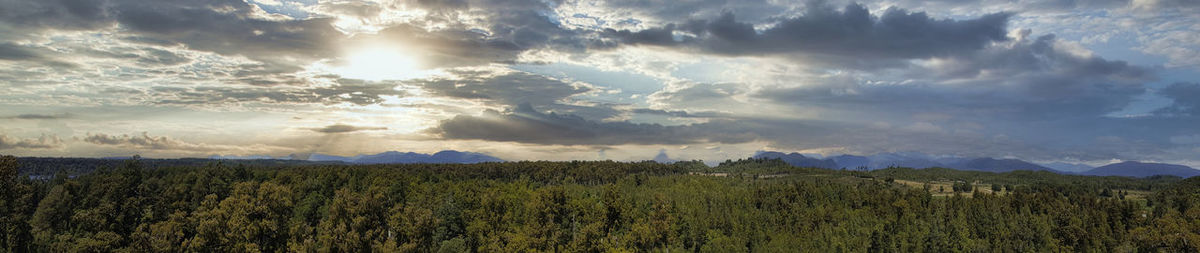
pixel 380 63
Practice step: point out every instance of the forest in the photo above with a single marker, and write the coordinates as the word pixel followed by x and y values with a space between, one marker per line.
pixel 749 205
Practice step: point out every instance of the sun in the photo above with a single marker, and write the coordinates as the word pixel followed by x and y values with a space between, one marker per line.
pixel 378 62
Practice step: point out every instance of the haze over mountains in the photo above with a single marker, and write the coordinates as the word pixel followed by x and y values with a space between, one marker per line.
pixel 872 162
pixel 1068 167
pixel 444 156
pixel 918 160
pixel 1140 169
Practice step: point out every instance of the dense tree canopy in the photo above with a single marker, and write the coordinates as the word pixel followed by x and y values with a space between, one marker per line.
pixel 748 205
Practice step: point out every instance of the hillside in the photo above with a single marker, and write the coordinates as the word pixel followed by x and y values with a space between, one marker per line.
pixel 1139 169
pixel 798 160
pixel 999 165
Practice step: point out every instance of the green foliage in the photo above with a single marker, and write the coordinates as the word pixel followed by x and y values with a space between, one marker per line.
pixel 17 200
pixel 1009 179
pixel 963 187
pixel 747 205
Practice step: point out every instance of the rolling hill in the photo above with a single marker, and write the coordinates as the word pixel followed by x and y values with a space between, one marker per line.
pixel 1140 169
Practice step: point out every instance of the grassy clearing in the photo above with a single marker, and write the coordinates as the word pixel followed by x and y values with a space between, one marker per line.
pixel 945 189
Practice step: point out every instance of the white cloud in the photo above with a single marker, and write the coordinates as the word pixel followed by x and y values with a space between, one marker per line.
pixel 1186 139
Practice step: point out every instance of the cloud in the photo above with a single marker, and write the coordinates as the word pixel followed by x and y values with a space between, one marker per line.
pixel 230 28
pixel 498 31
pixel 43 142
pixel 1029 97
pixel 350 91
pixel 343 128
pixel 1186 139
pixel 227 27
pixel 10 51
pixel 501 86
pixel 158 57
pixel 65 14
pixel 1038 79
pixel 452 34
pixel 683 114
pixel 41 116
pixel 660 10
pixel 139 141
pixel 526 125
pixel 1165 4
pixel 146 141
pixel 693 96
pixel 451 47
pixel 823 31
pixel 778 73
pixel 1185 97
pixel 511 88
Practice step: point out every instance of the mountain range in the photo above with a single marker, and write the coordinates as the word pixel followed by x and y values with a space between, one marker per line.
pixel 1068 167
pixel 798 160
pixel 918 160
pixel 1140 169
pixel 999 165
pixel 445 156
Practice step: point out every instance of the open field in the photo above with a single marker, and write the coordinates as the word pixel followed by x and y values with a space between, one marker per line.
pixel 945 189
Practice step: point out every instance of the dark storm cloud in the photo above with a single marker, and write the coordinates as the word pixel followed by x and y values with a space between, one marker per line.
pixel 43 142
pixel 13 52
pixel 529 29
pixel 10 51
pixel 684 10
pixel 515 88
pixel 1026 80
pixel 1035 98
pixel 866 139
pixel 822 30
pixel 343 128
pixel 526 125
pixel 55 14
pixel 227 27
pixel 1023 6
pixel 1185 97
pixel 510 88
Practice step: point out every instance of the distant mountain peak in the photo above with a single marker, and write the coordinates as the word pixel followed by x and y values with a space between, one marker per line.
pixel 662 157
pixel 390 157
pixel 797 159
pixel 1068 167
pixel 1142 169
pixel 999 165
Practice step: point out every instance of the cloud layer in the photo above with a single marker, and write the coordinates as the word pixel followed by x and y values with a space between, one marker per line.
pixel 1040 80
pixel 852 32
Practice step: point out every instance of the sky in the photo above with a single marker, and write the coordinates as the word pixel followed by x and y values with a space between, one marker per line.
pixel 1088 82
